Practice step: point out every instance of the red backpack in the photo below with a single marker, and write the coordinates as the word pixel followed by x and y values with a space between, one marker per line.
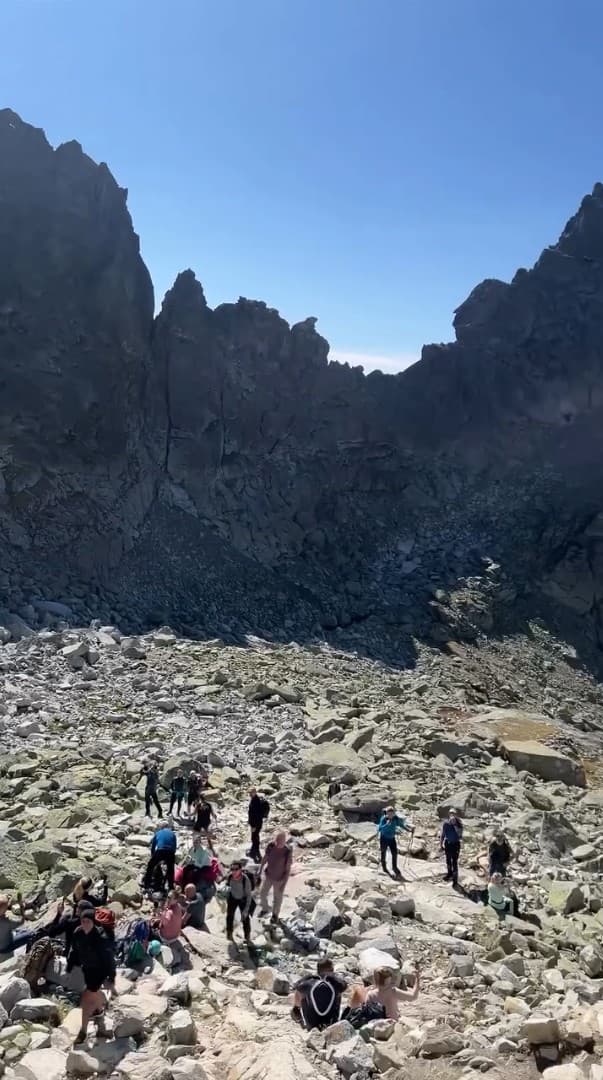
pixel 105 918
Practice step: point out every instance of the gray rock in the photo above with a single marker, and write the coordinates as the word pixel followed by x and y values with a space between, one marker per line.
pixel 326 918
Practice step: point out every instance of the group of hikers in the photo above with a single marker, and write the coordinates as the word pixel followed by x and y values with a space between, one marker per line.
pixel 181 891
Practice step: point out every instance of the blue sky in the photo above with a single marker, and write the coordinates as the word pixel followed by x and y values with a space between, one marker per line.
pixel 364 161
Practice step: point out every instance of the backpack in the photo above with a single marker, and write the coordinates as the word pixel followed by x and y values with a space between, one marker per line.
pixel 136 952
pixel 105 918
pixel 265 807
pixel 322 998
pixel 37 959
pixel 363 1014
pixel 133 949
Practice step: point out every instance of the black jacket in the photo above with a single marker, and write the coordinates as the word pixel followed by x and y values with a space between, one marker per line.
pixel 258 811
pixel 92 951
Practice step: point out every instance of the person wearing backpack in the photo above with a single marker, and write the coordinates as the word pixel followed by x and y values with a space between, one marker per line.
pixel 450 843
pixel 276 866
pixel 257 814
pixel 177 792
pixel 163 850
pixel 390 824
pixel 239 896
pixel 92 951
pixel 318 997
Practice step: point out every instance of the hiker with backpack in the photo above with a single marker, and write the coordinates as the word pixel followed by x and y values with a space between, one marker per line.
pixel 317 1001
pixel 276 867
pixel 257 814
pixel 92 951
pixel 240 885
pixel 390 824
pixel 450 843
pixel 163 850
pixel 177 792
pixel 151 774
pixel 384 995
pixel 499 854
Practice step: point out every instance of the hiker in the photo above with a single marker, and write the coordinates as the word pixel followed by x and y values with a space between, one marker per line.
pixel 390 824
pixel 92 951
pixel 384 992
pixel 163 850
pixel 193 790
pixel 276 865
pixel 11 936
pixel 240 888
pixel 498 897
pixel 204 812
pixel 177 792
pixel 82 892
pixel 65 923
pixel 318 997
pixel 259 809
pixel 197 858
pixel 450 843
pixel 151 774
pixel 194 909
pixel 333 789
pixel 499 854
pixel 170 926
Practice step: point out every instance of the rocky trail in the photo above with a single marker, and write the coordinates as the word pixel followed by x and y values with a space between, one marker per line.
pixel 506 732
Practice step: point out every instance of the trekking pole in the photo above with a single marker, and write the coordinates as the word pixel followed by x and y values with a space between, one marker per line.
pixel 411 837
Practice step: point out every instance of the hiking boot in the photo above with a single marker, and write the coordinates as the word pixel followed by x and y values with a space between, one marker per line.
pixel 229 937
pixel 101 1027
pixel 80 1037
pixel 262 913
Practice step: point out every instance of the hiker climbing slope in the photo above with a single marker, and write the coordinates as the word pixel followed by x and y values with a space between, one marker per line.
pixel 257 814
pixel 389 826
pixel 450 841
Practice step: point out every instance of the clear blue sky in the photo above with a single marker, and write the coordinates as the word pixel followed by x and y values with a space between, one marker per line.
pixel 364 161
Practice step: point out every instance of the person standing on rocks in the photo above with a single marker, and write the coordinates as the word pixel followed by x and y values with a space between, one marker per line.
pixel 204 813
pixel 450 843
pixel 177 792
pixel 91 951
pixel 151 774
pixel 389 825
pixel 276 866
pixel 163 850
pixel 193 790
pixel 499 854
pixel 259 809
pixel 239 897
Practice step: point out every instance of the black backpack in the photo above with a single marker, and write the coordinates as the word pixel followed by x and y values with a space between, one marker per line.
pixel 322 999
pixel 265 806
pixel 363 1014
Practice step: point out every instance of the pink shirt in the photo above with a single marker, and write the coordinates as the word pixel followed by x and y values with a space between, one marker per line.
pixel 170 923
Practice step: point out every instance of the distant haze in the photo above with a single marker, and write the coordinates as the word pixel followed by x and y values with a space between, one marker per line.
pixel 373 362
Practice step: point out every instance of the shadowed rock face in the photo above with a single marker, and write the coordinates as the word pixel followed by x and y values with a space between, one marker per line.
pixel 210 453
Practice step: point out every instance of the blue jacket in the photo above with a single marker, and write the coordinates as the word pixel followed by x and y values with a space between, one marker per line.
pixel 452 834
pixel 164 840
pixel 387 829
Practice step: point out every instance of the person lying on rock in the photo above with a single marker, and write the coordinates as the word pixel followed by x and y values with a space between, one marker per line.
pixel 317 1001
pixel 450 842
pixel 499 854
pixel 389 826
pixel 276 867
pixel 11 936
pixel 239 897
pixel 163 850
pixel 93 896
pixel 384 992
pixel 92 951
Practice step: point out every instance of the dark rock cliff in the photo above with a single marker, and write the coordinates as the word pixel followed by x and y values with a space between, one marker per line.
pixel 212 467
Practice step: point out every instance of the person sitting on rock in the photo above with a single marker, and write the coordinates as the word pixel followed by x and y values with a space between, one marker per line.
pixel 177 792
pixel 239 897
pixel 204 812
pixel 276 866
pixel 499 854
pixel 498 896
pixel 11 936
pixel 317 999
pixel 389 825
pixel 163 850
pixel 151 774
pixel 83 890
pixel 197 859
pixel 170 925
pixel 385 992
pixel 92 951
pixel 194 909
pixel 450 842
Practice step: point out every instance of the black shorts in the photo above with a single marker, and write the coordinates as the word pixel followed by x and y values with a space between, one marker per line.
pixel 94 978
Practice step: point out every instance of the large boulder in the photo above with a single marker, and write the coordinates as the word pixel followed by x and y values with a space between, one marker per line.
pixel 369 959
pixel 540 760
pixel 557 834
pixel 182 761
pixel 47 1064
pixel 363 801
pixel 326 918
pixel 18 869
pixel 565 897
pixel 332 759
pixel 279 1059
